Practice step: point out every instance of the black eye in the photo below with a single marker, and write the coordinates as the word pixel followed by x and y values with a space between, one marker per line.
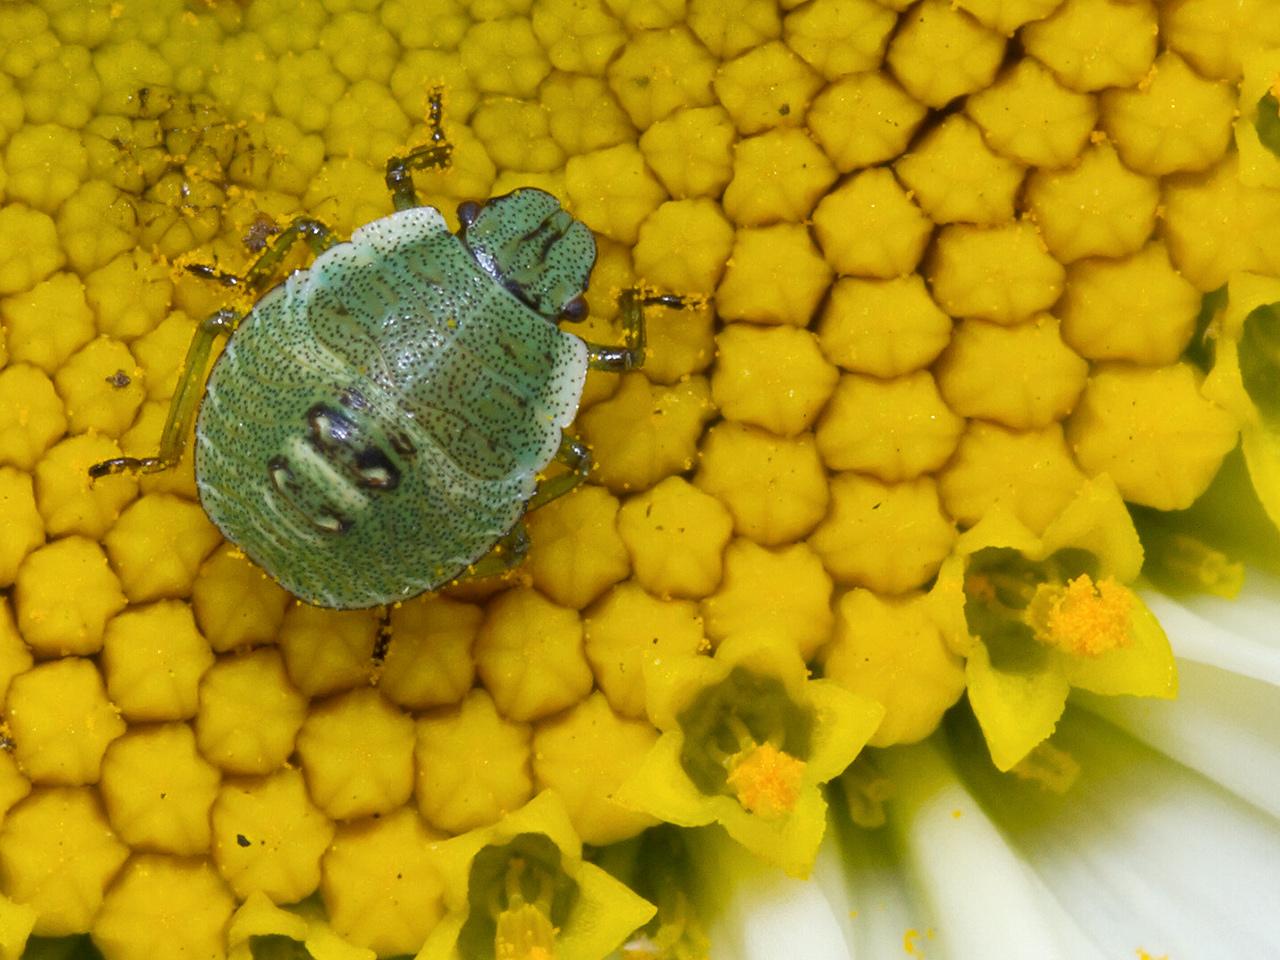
pixel 468 210
pixel 575 310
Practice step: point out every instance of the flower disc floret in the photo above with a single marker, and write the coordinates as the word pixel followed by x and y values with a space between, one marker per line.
pixel 21 526
pixel 520 889
pixel 659 72
pixel 529 655
pixel 775 487
pixel 941 53
pixel 746 742
pixel 1051 612
pixel 153 658
pixel 357 753
pixel 1091 44
pixel 59 854
pixel 456 794
pixel 774 275
pixel 885 328
pixel 268 837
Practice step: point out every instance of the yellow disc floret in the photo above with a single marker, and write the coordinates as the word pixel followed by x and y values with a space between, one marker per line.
pixel 454 792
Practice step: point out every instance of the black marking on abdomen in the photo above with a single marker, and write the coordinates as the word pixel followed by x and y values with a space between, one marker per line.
pixel 339 438
pixel 375 470
pixel 330 428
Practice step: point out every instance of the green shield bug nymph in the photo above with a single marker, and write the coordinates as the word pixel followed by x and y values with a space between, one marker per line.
pixel 378 423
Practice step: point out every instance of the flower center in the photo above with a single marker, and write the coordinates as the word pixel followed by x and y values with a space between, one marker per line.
pixel 1082 618
pixel 765 780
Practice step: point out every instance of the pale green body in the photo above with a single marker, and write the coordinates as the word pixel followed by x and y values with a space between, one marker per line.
pixel 378 421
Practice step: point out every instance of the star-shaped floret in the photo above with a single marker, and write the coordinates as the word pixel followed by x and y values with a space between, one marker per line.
pixel 748 739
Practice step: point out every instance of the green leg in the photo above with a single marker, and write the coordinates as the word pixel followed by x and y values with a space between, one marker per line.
pixel 575 455
pixel 182 408
pixel 631 304
pixel 263 272
pixel 507 554
pixel 436 154
pixel 186 396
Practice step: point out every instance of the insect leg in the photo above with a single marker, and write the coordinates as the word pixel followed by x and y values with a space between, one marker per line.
pixel 182 408
pixel 631 304
pixel 263 271
pixel 436 153
pixel 507 554
pixel 575 455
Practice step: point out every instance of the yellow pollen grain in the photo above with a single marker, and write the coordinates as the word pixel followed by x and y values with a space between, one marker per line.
pixel 766 780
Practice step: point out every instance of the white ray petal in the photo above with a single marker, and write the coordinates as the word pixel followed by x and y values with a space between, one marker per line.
pixel 988 900
pixel 859 873
pixel 757 911
pixel 1241 638
pixel 1143 852
pixel 1224 725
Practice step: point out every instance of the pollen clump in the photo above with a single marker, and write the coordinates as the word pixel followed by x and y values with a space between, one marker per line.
pixel 1083 618
pixel 766 780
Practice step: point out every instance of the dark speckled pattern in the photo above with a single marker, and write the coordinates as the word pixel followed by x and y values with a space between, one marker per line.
pixel 378 421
